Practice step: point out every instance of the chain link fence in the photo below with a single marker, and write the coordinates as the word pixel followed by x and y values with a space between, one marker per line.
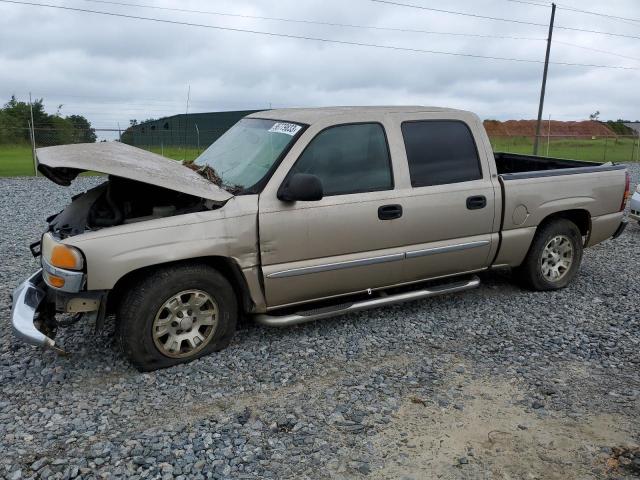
pixel 613 148
pixel 17 158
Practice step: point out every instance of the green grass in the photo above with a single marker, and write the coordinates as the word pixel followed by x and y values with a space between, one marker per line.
pixel 15 160
pixel 623 150
pixel 176 153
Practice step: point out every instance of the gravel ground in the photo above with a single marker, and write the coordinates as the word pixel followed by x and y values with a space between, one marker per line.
pixel 493 383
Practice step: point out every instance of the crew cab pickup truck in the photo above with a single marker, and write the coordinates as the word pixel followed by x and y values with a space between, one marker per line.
pixel 299 214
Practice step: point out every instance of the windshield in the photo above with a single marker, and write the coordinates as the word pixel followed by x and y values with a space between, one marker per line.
pixel 245 153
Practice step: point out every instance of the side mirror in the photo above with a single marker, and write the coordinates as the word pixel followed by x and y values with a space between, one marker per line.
pixel 301 186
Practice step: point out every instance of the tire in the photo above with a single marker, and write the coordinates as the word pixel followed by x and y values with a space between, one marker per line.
pixel 537 272
pixel 166 299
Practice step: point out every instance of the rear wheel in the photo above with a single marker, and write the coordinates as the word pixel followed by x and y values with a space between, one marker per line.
pixel 175 315
pixel 554 257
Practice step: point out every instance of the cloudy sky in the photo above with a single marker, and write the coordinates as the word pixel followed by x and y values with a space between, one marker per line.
pixel 113 69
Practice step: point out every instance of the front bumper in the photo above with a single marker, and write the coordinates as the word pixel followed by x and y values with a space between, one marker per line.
pixel 635 207
pixel 26 300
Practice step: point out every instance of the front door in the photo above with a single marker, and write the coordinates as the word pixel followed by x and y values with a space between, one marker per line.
pixel 347 242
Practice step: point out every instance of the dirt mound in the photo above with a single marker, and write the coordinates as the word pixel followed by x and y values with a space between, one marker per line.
pixel 527 128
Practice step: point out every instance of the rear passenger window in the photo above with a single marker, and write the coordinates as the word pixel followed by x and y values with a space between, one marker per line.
pixel 440 152
pixel 348 159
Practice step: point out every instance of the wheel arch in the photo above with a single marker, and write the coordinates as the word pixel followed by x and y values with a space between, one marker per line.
pixel 580 217
pixel 228 267
pixel 517 243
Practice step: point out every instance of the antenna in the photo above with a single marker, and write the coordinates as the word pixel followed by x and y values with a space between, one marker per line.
pixel 186 116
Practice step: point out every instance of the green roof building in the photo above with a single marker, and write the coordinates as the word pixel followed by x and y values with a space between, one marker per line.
pixel 194 130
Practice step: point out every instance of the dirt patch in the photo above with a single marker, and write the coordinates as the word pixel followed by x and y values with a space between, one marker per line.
pixel 497 434
pixel 527 128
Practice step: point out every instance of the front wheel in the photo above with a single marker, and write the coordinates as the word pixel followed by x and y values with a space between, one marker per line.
pixel 554 257
pixel 175 315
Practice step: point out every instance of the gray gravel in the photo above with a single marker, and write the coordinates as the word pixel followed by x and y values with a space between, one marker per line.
pixel 308 401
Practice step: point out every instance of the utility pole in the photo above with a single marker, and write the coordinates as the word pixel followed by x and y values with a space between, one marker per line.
pixel 32 134
pixel 544 80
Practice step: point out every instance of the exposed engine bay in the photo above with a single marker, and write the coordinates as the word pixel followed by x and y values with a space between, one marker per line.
pixel 118 201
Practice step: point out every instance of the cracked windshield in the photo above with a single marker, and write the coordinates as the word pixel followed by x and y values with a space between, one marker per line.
pixel 243 155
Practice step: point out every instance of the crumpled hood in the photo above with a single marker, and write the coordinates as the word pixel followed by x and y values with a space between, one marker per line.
pixel 63 163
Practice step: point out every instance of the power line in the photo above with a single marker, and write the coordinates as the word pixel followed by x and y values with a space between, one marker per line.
pixel 357 26
pixel 465 14
pixel 525 2
pixel 606 52
pixel 501 19
pixel 627 20
pixel 599 14
pixel 313 22
pixel 315 39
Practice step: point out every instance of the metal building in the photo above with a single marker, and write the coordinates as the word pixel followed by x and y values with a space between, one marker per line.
pixel 197 130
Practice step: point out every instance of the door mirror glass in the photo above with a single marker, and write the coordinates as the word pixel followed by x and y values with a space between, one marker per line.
pixel 301 186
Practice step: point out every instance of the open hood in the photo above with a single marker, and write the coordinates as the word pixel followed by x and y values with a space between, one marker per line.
pixel 63 163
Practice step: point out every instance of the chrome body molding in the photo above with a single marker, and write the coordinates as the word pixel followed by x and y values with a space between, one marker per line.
pixel 375 260
pixel 294 272
pixel 447 249
pixel 73 281
pixel 340 309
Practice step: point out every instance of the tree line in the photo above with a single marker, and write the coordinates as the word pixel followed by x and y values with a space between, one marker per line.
pixel 15 117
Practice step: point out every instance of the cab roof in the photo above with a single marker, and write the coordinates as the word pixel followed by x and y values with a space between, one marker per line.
pixel 312 115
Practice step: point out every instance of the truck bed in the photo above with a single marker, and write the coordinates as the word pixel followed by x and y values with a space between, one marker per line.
pixel 513 165
pixel 533 188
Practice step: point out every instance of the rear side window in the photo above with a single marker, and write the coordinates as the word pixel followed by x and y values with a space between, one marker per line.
pixel 348 159
pixel 440 152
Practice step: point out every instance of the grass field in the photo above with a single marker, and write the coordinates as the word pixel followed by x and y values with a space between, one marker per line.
pixel 176 153
pixel 621 150
pixel 15 160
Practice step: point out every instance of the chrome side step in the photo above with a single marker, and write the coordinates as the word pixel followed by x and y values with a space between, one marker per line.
pixel 383 299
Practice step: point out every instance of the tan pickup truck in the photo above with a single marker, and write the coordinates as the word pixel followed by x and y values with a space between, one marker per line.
pixel 299 214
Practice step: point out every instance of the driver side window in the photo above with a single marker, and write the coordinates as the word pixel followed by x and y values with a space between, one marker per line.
pixel 348 159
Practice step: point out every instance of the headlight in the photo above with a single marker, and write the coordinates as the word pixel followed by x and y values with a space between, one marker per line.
pixel 64 256
pixel 60 255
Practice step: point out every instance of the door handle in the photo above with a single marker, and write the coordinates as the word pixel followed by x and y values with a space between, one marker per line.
pixel 389 212
pixel 477 202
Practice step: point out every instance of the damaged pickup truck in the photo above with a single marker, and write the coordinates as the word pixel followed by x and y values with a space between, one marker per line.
pixel 300 214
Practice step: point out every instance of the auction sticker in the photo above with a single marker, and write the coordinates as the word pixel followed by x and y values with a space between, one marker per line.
pixel 286 128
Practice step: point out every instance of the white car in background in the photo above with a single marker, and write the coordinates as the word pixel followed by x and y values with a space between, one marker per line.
pixel 635 205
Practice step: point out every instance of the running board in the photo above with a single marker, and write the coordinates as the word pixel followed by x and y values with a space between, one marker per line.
pixel 383 299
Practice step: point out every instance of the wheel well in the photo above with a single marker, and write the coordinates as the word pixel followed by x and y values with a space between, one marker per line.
pixel 581 218
pixel 226 266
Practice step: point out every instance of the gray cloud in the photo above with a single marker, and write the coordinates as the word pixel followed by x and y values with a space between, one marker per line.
pixel 114 69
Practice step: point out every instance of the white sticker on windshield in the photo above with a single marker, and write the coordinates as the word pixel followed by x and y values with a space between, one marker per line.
pixel 286 128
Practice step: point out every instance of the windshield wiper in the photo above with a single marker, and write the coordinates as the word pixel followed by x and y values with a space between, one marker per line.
pixel 210 174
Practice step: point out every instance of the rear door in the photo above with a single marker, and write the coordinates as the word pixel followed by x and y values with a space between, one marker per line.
pixel 450 223
pixel 345 242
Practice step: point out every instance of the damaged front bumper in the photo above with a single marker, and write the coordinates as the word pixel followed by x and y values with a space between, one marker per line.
pixel 26 300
